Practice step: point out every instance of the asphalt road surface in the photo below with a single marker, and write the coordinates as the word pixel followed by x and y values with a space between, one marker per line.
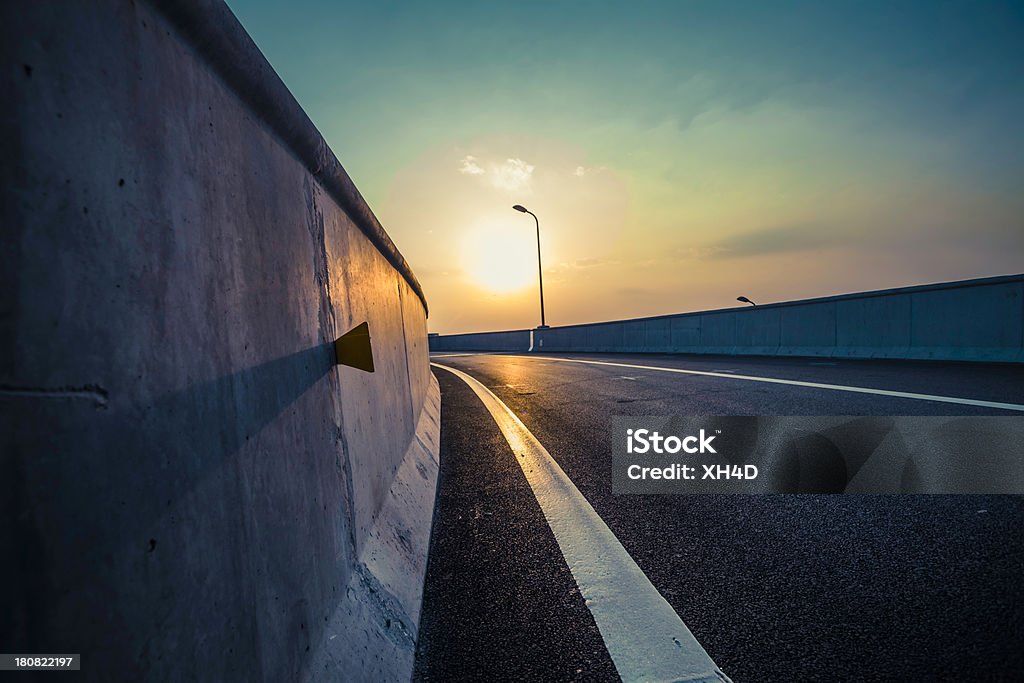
pixel 775 588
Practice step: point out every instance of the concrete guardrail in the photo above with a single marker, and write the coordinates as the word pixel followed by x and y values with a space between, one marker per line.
pixel 512 340
pixel 191 488
pixel 970 320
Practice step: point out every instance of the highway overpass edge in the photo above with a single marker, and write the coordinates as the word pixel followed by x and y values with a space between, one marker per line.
pixel 978 320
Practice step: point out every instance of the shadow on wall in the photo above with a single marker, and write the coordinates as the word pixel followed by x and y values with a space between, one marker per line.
pixel 106 500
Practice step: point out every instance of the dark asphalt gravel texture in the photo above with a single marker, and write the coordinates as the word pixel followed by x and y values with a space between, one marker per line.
pixel 499 601
pixel 776 588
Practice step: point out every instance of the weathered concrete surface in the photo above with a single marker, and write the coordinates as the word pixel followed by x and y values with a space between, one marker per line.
pixel 970 320
pixel 371 636
pixel 189 485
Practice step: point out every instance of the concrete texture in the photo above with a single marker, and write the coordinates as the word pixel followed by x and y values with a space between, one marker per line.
pixel 372 634
pixel 190 487
pixel 970 320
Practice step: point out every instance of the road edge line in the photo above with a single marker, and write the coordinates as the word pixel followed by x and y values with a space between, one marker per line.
pixel 646 638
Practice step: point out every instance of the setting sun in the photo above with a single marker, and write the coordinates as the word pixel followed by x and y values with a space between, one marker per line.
pixel 501 256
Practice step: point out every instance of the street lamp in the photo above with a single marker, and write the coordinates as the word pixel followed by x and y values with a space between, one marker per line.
pixel 745 300
pixel 540 271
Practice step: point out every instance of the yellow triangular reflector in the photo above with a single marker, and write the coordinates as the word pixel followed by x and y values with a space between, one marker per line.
pixel 353 348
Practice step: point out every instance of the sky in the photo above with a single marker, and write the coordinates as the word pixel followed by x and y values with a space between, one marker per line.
pixel 678 154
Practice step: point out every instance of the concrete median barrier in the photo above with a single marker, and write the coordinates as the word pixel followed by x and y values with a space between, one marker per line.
pixel 970 320
pixel 192 488
pixel 512 340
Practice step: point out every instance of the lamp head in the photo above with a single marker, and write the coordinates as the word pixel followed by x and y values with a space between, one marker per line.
pixel 520 208
pixel 745 300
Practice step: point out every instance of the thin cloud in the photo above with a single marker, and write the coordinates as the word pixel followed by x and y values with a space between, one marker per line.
pixel 586 170
pixel 580 264
pixel 777 240
pixel 512 175
pixel 470 167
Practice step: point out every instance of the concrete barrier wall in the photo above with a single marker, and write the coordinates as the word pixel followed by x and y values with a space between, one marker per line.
pixel 512 340
pixel 191 489
pixel 971 320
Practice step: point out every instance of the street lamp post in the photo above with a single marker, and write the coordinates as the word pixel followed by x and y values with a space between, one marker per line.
pixel 540 270
pixel 745 300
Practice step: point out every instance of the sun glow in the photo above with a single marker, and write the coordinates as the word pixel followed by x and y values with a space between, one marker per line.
pixel 501 256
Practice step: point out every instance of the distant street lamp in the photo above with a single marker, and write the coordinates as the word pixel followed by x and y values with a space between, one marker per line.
pixel 745 300
pixel 540 271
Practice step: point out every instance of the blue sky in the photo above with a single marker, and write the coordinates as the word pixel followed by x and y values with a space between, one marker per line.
pixel 678 153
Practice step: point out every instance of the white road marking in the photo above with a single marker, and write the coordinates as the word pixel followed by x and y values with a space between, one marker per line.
pixel 645 637
pixel 631 378
pixel 797 383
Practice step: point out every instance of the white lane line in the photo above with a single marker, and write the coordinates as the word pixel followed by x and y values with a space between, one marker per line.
pixel 797 383
pixel 645 637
